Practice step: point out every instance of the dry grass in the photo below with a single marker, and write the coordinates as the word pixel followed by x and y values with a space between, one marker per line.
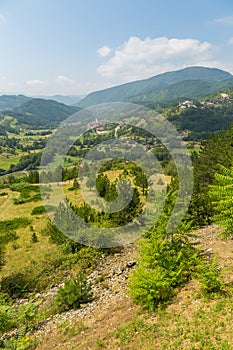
pixel 22 253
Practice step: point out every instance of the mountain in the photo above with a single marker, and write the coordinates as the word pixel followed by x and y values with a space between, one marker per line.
pixel 187 89
pixel 158 84
pixel 12 101
pixel 42 113
pixel 69 100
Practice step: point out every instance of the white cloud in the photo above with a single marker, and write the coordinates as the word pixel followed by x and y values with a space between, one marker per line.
pixel 230 41
pixel 138 59
pixel 104 51
pixel 2 18
pixel 35 82
pixel 63 79
pixel 225 20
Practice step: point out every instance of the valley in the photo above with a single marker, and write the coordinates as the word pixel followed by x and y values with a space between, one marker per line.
pixel 63 288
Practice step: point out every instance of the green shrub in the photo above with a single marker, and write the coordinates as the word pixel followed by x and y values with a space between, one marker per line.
pixel 34 238
pixel 151 287
pixel 15 246
pixel 16 285
pixel 26 315
pixel 41 209
pixel 21 200
pixel 22 342
pixel 2 194
pixel 24 187
pixel 8 237
pixel 167 262
pixel 13 224
pixel 76 291
pixel 38 210
pixel 6 318
pixel 26 192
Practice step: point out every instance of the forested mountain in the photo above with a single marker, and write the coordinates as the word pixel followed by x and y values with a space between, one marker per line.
pixel 38 112
pixel 12 101
pixel 184 90
pixel 163 87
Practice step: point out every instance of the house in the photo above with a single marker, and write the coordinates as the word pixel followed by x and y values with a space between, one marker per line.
pixel 225 96
pixel 186 104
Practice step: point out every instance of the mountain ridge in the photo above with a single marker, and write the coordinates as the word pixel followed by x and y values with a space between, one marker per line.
pixel 39 112
pixel 125 92
pixel 9 102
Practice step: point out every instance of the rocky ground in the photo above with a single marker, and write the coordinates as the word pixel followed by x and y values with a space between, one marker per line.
pixel 109 281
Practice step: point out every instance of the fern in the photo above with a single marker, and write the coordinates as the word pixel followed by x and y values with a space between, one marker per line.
pixel 221 193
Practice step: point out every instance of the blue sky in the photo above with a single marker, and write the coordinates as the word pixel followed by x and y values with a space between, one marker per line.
pixel 75 46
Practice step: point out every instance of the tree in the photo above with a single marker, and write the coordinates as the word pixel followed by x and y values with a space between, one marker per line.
pixel 141 181
pixel 102 184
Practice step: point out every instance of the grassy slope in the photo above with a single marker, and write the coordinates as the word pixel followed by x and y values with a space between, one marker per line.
pixel 21 258
pixel 190 321
pixel 28 253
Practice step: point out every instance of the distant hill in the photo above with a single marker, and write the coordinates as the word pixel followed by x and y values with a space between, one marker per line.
pixel 42 113
pixel 12 101
pixel 69 100
pixel 201 77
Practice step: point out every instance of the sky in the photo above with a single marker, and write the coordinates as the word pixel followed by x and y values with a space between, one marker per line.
pixel 73 47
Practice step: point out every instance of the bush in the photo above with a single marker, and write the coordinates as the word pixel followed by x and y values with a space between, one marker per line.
pixel 16 286
pixel 76 291
pixel 2 194
pixel 11 225
pixel 8 237
pixel 38 210
pixel 21 200
pixel 209 275
pixel 167 262
pixel 34 238
pixel 41 209
pixel 151 287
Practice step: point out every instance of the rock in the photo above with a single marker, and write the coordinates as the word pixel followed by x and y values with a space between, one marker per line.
pixel 130 264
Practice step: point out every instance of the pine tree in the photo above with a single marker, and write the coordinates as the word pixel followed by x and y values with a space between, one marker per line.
pixel 102 184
